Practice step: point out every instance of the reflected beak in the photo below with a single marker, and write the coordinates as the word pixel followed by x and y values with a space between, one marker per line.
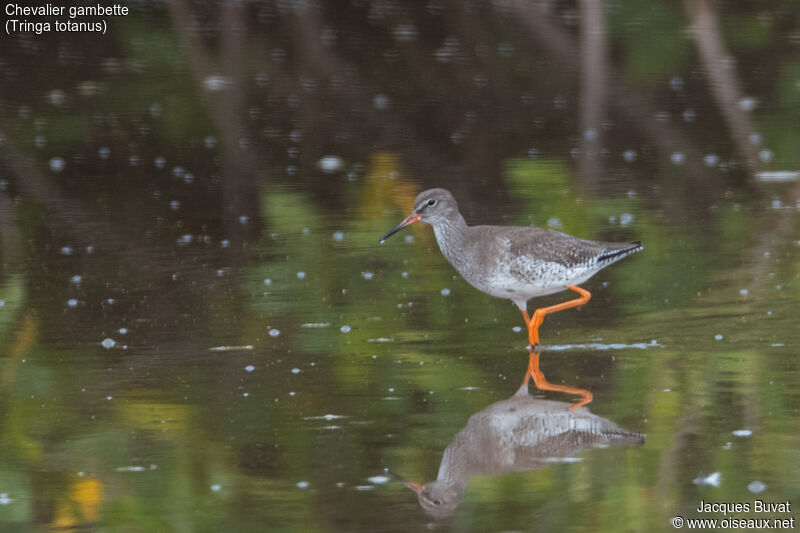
pixel 416 487
pixel 410 219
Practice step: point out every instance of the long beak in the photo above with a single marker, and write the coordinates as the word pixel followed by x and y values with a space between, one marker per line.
pixel 416 487
pixel 410 219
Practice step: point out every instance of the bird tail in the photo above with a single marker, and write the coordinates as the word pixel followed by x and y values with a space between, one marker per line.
pixel 619 253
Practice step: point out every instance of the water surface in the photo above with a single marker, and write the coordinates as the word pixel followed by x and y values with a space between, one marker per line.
pixel 200 332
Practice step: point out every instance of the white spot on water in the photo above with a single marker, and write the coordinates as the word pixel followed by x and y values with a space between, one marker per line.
pixel 104 152
pixel 408 238
pixel 629 156
pixel 210 141
pixel 217 83
pixel 405 32
pixel 445 292
pixel 677 158
pixel 689 115
pixel 765 155
pixel 345 329
pixel 57 164
pixel 243 219
pixel 296 371
pixel 301 275
pixel 367 275
pixel 338 236
pixel 174 205
pixel 554 222
pixel 249 368
pixel 267 281
pixel 160 162
pixel 229 348
pixel 711 160
pixel 330 164
pixel 4 499
pixel 748 103
pixel 743 432
pixel 756 487
pixel 380 101
pixel 625 219
pixel 108 343
pixel 76 279
pixel 302 484
pixel 744 292
pixel 274 332
pixel 711 480
pixel 188 177
pixel 779 175
pixel 404 274
pixel 123 331
pixel 225 243
pixel 57 97
pixel 516 329
pixel 378 480
pixel 72 302
pixel 600 346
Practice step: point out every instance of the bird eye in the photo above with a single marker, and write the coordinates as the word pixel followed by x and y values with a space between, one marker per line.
pixel 432 202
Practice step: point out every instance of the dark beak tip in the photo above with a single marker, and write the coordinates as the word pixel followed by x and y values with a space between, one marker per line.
pixel 410 219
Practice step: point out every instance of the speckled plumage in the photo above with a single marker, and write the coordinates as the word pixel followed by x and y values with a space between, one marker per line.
pixel 520 434
pixel 513 262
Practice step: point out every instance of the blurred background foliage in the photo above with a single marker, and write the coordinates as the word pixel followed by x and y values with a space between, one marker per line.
pixel 191 278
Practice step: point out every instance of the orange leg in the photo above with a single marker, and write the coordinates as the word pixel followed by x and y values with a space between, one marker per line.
pixel 542 384
pixel 534 322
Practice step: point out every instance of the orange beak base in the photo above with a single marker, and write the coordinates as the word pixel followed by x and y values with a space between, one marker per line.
pixel 416 487
pixel 410 219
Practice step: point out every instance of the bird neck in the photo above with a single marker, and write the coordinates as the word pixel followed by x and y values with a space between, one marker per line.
pixel 451 234
pixel 455 469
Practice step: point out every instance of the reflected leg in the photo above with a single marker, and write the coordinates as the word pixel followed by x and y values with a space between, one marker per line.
pixel 542 384
pixel 538 316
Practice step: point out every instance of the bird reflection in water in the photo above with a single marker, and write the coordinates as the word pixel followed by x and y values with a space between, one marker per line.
pixel 519 434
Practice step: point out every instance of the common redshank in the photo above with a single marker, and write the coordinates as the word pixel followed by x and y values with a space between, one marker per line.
pixel 515 262
pixel 520 434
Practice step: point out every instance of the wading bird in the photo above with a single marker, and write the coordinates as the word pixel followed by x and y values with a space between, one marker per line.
pixel 514 262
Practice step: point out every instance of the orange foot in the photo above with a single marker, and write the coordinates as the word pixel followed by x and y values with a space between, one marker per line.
pixel 542 384
pixel 534 322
